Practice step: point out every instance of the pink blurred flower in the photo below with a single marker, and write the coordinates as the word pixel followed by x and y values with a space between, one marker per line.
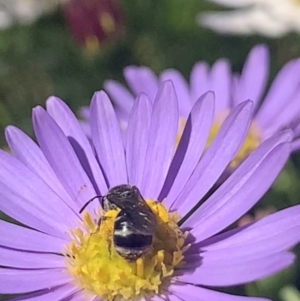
pixel 91 22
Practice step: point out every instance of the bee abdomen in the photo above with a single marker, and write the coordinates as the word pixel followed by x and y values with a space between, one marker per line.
pixel 132 246
pixel 129 244
pixel 132 240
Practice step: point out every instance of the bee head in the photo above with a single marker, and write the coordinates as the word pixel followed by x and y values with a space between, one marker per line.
pixel 117 196
pixel 122 191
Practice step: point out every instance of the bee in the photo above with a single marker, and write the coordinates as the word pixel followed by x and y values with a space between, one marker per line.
pixel 135 223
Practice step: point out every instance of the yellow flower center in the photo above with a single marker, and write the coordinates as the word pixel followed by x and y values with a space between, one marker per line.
pixel 251 141
pixel 99 270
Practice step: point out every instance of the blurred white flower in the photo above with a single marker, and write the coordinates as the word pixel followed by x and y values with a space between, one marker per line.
pixel 289 293
pixel 273 18
pixel 24 11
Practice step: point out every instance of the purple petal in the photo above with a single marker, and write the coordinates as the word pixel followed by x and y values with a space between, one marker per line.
pixel 17 237
pixel 120 96
pixel 296 145
pixel 173 297
pixel 282 90
pixel 272 234
pixel 253 80
pixel 287 115
pixel 156 298
pixel 107 139
pixel 137 139
pixel 67 121
pixel 233 272
pixel 26 281
pixel 141 80
pixel 296 126
pixel 27 199
pixel 220 83
pixel 217 157
pixel 80 296
pixel 161 140
pixel 86 128
pixel 242 189
pixel 49 294
pixel 28 260
pixel 25 150
pixel 62 158
pixel 167 296
pixel 190 147
pixel 196 293
pixel 199 80
pixel 181 88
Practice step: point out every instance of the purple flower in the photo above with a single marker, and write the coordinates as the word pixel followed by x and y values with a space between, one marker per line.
pixel 280 107
pixel 64 255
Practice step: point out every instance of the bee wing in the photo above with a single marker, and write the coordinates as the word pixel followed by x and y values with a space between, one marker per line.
pixel 140 217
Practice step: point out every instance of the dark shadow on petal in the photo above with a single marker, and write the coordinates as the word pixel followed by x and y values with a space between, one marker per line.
pixel 177 160
pixel 84 162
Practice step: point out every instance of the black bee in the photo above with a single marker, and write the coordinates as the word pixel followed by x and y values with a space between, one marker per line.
pixel 134 225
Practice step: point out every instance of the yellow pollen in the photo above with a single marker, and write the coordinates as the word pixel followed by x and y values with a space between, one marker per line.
pixel 251 141
pixel 160 256
pixel 99 270
pixel 89 223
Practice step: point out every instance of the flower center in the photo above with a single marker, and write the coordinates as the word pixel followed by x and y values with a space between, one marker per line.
pixel 98 269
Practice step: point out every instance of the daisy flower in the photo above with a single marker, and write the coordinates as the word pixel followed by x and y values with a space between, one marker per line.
pixel 62 254
pixel 264 17
pixel 92 23
pixel 277 110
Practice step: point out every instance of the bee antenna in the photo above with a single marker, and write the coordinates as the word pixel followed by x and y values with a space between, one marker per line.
pixel 88 202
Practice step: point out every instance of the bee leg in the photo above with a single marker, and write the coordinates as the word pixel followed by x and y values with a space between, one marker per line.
pixel 109 241
pixel 103 218
pixel 98 226
pixel 100 221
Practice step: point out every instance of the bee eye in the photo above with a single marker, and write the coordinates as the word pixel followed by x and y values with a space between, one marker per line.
pixel 128 194
pixel 106 204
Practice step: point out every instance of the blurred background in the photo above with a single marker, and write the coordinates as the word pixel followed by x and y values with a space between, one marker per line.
pixel 68 48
